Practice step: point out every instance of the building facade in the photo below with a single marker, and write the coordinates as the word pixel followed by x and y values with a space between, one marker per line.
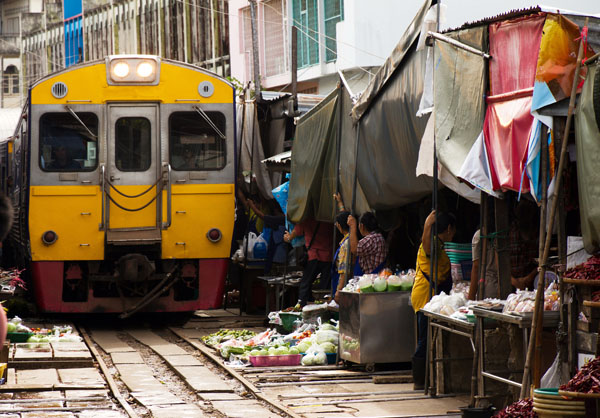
pixel 348 35
pixel 39 33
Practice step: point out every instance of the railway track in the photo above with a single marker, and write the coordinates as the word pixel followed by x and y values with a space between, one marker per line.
pixel 138 370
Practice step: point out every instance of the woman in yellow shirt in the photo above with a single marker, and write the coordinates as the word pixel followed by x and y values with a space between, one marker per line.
pixel 421 292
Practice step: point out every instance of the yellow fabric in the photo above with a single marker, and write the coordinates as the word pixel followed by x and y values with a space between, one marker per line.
pixel 420 291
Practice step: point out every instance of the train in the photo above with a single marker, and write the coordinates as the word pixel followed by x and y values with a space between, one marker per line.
pixel 122 175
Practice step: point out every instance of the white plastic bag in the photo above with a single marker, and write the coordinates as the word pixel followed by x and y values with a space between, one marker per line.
pixel 556 375
pixel 249 246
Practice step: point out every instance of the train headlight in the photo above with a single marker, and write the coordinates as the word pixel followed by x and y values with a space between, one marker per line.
pixel 49 237
pixel 133 70
pixel 214 235
pixel 145 69
pixel 121 69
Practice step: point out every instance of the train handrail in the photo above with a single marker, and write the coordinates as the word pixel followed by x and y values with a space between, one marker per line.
pixel 103 220
pixel 167 225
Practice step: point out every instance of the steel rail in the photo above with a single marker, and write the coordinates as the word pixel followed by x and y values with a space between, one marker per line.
pixel 111 383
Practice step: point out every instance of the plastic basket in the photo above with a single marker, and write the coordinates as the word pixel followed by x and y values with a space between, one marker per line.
pixel 331 357
pixel 18 337
pixel 288 319
pixel 281 360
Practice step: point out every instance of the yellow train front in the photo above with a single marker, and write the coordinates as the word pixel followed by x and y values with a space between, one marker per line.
pixel 123 177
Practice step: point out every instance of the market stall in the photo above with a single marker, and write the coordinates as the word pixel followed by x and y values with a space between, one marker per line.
pixel 376 319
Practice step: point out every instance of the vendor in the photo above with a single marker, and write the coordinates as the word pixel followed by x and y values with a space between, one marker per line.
pixel 318 239
pixel 421 291
pixel 343 255
pixel 371 250
pixel 490 283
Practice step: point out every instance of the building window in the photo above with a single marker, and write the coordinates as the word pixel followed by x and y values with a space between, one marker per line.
pixel 246 41
pixel 10 81
pixel 333 13
pixel 305 15
pixel 275 45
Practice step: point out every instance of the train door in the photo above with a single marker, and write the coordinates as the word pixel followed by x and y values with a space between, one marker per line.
pixel 133 173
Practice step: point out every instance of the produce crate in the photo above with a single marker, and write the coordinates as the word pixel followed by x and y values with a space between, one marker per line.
pixel 18 337
pixel 281 360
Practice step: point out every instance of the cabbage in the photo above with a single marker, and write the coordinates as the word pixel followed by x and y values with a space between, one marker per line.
pixel 272 351
pixel 327 336
pixel 10 327
pixel 320 358
pixel 255 353
pixel 263 352
pixel 365 283
pixel 281 351
pixel 329 347
pixel 379 284
pixel 308 360
pixel 294 350
pixel 327 327
pixel 303 346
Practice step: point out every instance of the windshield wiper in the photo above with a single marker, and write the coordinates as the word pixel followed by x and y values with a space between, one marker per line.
pixel 72 112
pixel 210 122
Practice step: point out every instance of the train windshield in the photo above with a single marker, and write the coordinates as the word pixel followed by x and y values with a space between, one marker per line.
pixel 68 144
pixel 195 145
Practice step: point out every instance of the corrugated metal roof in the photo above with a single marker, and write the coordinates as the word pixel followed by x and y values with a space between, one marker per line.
pixel 9 117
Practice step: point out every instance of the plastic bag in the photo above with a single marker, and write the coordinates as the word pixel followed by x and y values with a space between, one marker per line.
pixel 259 250
pixel 327 336
pixel 556 375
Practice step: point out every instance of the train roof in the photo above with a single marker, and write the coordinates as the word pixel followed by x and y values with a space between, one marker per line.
pixel 103 60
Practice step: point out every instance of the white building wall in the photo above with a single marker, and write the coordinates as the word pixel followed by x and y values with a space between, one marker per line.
pixel 371 29
pixel 366 37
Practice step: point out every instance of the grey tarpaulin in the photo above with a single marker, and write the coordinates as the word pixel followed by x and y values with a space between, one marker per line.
pixel 390 135
pixel 460 82
pixel 250 158
pixel 314 133
pixel 390 132
pixel 348 158
pixel 587 137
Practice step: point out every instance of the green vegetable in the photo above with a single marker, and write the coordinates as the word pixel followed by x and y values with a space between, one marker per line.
pixel 294 350
pixel 10 327
pixel 329 347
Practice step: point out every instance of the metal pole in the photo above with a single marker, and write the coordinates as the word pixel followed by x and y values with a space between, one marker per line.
pixel 538 310
pixel 255 61
pixel 294 65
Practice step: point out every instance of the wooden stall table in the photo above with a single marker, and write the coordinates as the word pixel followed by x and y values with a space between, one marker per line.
pixel 523 322
pixel 278 286
pixel 437 323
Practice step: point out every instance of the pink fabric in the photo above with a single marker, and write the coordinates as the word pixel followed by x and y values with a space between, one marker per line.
pixel 514 46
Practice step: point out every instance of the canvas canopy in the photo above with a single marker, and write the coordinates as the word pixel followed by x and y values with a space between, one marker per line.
pixel 459 91
pixel 315 133
pixel 587 137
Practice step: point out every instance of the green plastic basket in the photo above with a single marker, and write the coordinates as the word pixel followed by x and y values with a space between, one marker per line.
pixel 288 319
pixel 18 337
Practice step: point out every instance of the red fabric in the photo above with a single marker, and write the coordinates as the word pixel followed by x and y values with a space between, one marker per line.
pixel 322 248
pixel 514 46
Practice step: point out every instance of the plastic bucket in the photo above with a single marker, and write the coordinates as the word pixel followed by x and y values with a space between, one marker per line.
pixel 288 319
pixel 477 412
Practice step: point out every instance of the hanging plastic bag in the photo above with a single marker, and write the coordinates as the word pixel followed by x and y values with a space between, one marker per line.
pixel 556 375
pixel 259 250
pixel 249 246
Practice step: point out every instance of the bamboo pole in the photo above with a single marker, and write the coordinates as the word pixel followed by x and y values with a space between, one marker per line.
pixel 538 310
pixel 537 365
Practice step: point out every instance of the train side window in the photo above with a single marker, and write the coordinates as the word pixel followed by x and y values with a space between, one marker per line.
pixel 65 144
pixel 133 144
pixel 193 144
